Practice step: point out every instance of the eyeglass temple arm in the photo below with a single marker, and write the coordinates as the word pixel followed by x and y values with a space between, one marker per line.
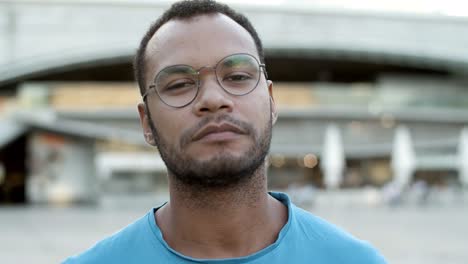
pixel 264 70
pixel 147 92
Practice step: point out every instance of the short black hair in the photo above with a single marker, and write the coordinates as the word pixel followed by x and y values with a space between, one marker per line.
pixel 185 10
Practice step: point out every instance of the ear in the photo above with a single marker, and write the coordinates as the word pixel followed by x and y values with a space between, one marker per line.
pixel 144 121
pixel 274 112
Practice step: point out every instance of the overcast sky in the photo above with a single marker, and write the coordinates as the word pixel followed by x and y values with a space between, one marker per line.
pixel 442 7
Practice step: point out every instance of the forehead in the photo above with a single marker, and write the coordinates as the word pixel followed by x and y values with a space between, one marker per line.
pixel 198 41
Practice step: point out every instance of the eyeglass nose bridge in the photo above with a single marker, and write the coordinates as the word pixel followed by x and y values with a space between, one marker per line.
pixel 200 70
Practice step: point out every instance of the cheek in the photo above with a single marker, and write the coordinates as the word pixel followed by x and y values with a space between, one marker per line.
pixel 257 110
pixel 169 125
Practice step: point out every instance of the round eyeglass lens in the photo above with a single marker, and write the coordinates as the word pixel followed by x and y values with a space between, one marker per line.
pixel 177 85
pixel 238 74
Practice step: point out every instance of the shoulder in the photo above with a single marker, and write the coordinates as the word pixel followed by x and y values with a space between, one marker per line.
pixel 116 247
pixel 332 238
pixel 317 228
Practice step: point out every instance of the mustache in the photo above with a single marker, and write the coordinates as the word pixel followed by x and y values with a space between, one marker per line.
pixel 187 135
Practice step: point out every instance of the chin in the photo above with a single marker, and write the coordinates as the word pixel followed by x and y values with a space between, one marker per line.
pixel 219 156
pixel 213 151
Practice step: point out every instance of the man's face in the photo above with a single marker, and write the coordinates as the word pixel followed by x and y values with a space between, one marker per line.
pixel 219 139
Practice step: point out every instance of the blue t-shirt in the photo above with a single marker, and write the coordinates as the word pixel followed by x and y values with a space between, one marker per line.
pixel 304 239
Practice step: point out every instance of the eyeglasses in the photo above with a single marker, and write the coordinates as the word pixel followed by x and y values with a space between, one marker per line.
pixel 178 85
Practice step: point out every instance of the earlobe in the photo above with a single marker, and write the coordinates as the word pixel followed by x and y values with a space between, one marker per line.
pixel 145 125
pixel 274 113
pixel 149 138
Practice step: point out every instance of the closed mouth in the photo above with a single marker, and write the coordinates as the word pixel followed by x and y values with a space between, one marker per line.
pixel 217 128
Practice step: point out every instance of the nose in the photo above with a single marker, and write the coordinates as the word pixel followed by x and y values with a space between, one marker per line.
pixel 212 97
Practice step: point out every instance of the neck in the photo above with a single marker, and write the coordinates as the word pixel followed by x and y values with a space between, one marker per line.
pixel 223 222
pixel 246 193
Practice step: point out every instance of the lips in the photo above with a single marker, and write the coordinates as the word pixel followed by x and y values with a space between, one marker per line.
pixel 213 128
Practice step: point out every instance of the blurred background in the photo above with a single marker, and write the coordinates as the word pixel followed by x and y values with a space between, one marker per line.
pixel 372 131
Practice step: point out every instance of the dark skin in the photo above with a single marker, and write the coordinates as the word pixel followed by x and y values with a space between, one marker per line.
pixel 223 222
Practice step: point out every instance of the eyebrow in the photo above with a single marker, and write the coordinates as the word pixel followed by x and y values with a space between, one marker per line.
pixel 179 69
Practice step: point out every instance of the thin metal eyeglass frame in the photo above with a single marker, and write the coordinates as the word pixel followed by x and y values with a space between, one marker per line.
pixel 153 86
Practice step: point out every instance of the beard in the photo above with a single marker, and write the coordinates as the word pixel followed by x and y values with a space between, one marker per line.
pixel 222 171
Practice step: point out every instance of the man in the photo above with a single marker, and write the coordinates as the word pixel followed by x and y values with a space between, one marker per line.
pixel 209 108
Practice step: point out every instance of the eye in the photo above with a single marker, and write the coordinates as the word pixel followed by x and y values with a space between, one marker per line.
pixel 237 77
pixel 179 85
